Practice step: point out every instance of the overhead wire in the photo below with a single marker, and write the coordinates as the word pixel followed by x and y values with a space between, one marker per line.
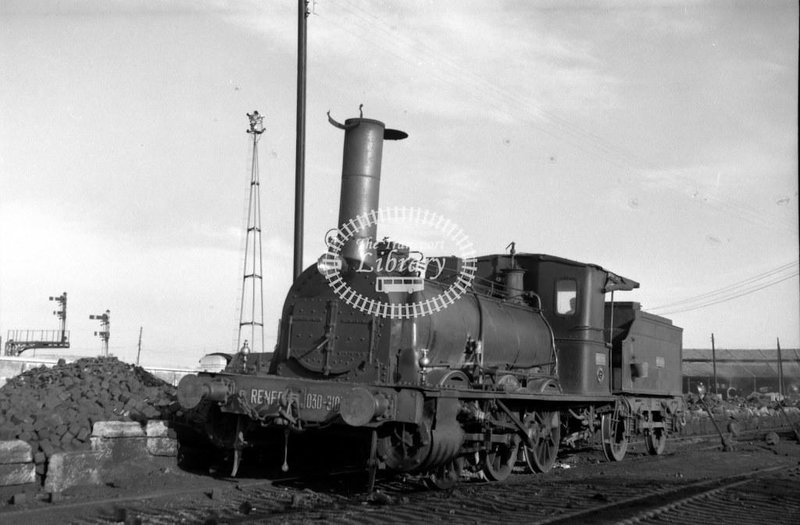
pixel 746 213
pixel 483 90
pixel 731 292
pixel 436 73
pixel 731 287
pixel 487 92
pixel 374 30
pixel 732 297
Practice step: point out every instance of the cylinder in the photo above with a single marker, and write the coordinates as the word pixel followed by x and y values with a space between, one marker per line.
pixel 359 406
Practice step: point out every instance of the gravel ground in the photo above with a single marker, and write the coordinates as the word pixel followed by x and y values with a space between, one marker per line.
pixel 581 480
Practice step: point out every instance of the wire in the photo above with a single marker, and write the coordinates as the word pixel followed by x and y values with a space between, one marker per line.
pixel 731 292
pixel 747 292
pixel 730 288
pixel 723 295
pixel 483 90
pixel 376 31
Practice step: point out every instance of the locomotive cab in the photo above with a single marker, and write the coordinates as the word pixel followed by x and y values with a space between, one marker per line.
pixel 572 296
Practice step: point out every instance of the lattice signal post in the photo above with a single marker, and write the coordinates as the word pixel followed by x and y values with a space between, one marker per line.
pixel 251 310
pixel 105 329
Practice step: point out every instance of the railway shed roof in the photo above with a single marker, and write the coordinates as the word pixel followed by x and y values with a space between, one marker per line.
pixel 741 363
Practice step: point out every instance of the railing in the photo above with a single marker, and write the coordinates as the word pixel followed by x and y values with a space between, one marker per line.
pixel 37 336
pixel 20 340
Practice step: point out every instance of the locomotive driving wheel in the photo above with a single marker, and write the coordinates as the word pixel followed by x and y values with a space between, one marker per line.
pixel 497 461
pixel 615 433
pixel 544 429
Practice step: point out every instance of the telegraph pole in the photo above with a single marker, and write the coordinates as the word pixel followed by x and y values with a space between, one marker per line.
pixel 780 369
pixel 139 351
pixel 714 362
pixel 300 141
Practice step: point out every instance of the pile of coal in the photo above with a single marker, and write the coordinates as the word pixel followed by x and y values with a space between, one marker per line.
pixel 54 408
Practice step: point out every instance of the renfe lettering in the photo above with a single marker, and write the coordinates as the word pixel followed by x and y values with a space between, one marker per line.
pixel 258 397
pixel 309 400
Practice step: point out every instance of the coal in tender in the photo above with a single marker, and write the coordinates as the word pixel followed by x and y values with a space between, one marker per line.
pixel 54 408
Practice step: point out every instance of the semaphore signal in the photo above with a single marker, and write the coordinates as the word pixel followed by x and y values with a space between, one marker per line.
pixel 105 329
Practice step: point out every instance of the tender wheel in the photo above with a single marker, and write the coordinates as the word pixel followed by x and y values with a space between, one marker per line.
pixel 614 431
pixel 656 441
pixel 446 476
pixel 499 461
pixel 544 429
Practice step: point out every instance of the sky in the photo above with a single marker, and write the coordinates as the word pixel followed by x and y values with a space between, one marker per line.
pixel 656 139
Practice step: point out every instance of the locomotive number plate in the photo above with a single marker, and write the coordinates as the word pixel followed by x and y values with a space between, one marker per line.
pixel 312 401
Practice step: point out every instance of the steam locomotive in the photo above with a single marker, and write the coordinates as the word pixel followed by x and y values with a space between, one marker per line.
pixel 468 366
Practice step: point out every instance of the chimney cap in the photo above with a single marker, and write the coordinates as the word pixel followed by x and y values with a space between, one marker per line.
pixel 388 134
pixel 394 134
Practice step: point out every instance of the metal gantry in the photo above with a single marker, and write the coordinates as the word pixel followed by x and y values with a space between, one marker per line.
pixel 251 309
pixel 18 341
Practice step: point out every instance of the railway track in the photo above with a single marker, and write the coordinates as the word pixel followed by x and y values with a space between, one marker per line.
pixel 751 501
pixel 720 500
pixel 197 503
pixel 589 492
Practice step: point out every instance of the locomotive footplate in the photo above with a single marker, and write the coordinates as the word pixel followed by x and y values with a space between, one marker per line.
pixel 522 395
pixel 292 401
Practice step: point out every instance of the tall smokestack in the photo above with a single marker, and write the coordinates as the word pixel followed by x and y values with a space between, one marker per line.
pixel 361 178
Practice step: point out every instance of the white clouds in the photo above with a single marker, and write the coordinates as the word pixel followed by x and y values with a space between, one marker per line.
pixel 112 7
pixel 615 132
pixel 455 61
pixel 459 190
pixel 741 190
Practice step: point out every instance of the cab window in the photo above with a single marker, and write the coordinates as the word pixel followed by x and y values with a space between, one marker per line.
pixel 566 296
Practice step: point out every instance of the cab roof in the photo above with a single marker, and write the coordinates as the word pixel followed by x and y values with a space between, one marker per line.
pixel 614 282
